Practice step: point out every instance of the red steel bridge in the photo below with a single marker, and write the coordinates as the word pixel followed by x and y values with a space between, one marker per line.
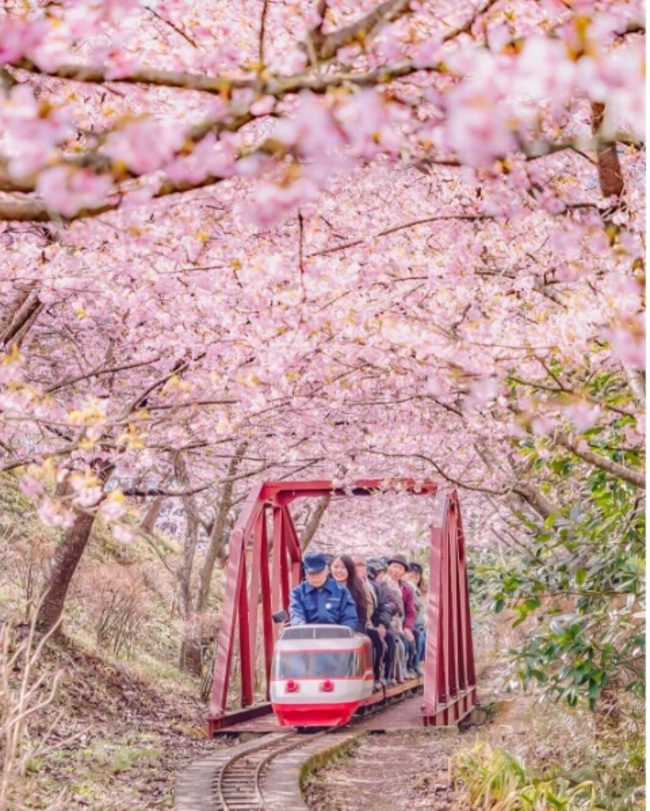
pixel 265 564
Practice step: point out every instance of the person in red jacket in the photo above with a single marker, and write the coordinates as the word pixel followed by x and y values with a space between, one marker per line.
pixel 397 568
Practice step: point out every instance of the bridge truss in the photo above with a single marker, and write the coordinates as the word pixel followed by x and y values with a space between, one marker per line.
pixel 265 564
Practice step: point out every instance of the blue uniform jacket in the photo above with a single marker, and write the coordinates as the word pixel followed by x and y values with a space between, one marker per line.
pixel 331 604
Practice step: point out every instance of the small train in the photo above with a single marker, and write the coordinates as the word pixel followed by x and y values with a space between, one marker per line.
pixel 321 675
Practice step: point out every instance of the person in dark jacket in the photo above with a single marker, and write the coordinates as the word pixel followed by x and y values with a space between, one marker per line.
pixel 374 629
pixel 397 567
pixel 382 618
pixel 319 598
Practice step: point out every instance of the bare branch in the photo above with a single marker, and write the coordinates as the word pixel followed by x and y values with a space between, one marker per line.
pixel 191 491
pixel 99 372
pixel 174 27
pixel 260 50
pixel 314 521
pixel 395 228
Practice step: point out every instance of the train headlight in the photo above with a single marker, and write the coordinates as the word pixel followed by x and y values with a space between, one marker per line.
pixel 326 686
pixel 291 686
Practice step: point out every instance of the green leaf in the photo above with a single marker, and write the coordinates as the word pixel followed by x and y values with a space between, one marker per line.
pixel 549 522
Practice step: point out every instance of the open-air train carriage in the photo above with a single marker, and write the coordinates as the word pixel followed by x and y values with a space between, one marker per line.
pixel 321 674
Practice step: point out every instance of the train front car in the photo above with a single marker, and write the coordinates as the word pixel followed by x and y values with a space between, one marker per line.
pixel 320 675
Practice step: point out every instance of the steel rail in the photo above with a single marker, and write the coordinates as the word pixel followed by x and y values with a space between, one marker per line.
pixel 272 755
pixel 222 791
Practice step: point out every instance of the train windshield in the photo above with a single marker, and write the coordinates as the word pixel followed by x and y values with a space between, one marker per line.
pixel 316 664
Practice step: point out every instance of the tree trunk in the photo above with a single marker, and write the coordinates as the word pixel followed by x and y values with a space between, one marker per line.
pixel 314 522
pixel 217 534
pixel 184 571
pixel 190 660
pixel 151 515
pixel 67 557
pixel 65 562
pixel 190 653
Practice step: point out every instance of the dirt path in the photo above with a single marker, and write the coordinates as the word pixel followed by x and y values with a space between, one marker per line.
pixel 406 769
pixel 396 771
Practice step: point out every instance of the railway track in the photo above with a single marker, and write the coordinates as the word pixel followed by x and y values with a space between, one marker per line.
pixel 260 775
pixel 238 785
pixel 236 780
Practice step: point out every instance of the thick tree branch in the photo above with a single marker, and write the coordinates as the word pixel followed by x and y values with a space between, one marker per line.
pixel 524 490
pixel 532 496
pixel 635 477
pixel 19 314
pixel 360 30
pixel 636 381
pixel 610 174
pixel 99 74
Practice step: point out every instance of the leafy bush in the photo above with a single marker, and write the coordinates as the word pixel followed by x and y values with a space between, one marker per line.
pixel 580 576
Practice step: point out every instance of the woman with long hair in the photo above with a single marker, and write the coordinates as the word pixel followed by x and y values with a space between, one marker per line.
pixel 344 571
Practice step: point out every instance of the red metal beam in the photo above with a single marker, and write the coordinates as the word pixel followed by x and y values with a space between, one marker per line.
pixel 266 605
pixel 450 681
pixel 234 581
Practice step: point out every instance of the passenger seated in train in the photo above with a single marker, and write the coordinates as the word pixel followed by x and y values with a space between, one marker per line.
pixel 319 599
pixel 416 576
pixel 344 571
pixel 387 608
pixel 397 568
pixel 398 674
pixel 379 617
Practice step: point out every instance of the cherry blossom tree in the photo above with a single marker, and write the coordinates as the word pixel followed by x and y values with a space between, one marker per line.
pixel 355 239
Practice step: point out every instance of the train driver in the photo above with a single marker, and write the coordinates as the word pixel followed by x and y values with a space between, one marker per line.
pixel 319 598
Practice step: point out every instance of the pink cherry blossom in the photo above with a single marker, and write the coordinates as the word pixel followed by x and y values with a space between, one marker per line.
pixel 480 125
pixel 68 190
pixel 30 486
pixel 53 514
pixel 379 260
pixel 123 533
pixel 19 38
pixel 32 133
pixel 145 145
